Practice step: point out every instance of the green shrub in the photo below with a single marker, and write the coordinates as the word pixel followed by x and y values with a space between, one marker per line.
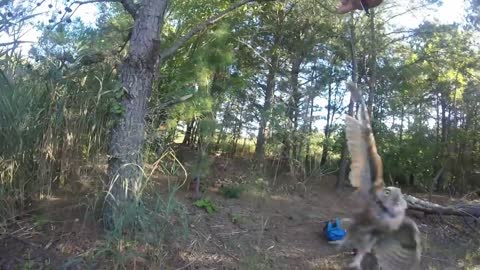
pixel 207 205
pixel 231 192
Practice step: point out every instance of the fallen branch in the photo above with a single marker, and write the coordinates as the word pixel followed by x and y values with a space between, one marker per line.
pixel 463 210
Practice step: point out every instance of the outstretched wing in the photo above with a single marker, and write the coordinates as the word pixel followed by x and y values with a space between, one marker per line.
pixel 360 176
pixel 400 249
pixel 366 168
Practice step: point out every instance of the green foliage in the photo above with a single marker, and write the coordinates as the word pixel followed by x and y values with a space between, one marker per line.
pixel 206 204
pixel 28 265
pixel 232 191
pixel 261 184
pixel 236 218
pixel 22 110
pixel 143 227
pixel 54 117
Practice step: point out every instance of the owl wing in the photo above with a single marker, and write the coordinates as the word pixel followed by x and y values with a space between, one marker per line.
pixel 366 169
pixel 360 173
pixel 400 249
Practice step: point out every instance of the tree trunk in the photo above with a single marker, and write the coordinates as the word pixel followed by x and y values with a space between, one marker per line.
pixel 266 108
pixel 454 151
pixel 127 137
pixel 373 66
pixel 402 119
pixel 235 134
pixel 188 132
pixel 243 146
pixel 221 134
pixel 194 138
pixel 342 177
pixel 237 130
pixel 445 138
pixel 295 103
pixel 326 142
pixel 308 160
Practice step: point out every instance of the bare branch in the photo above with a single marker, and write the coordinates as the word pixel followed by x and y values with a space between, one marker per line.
pixel 200 27
pixel 90 2
pixel 6 24
pixel 407 11
pixel 469 210
pixel 14 43
pixel 127 39
pixel 128 5
pixel 254 51
pixel 170 103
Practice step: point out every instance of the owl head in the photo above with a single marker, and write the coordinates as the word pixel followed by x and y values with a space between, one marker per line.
pixel 393 206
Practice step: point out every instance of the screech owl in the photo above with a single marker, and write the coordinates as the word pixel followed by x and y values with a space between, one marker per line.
pixel 379 225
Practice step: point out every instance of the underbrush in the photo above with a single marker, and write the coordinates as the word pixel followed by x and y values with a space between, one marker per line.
pixel 232 191
pixel 144 232
pixel 146 228
pixel 49 128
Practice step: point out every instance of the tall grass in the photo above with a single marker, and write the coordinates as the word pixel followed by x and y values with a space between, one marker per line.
pixel 53 122
pixel 147 225
pixel 49 127
pixel 22 125
pixel 145 230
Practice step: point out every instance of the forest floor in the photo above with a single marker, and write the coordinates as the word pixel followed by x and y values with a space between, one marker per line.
pixel 278 229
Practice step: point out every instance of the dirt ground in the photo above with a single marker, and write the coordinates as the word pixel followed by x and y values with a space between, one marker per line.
pixel 279 229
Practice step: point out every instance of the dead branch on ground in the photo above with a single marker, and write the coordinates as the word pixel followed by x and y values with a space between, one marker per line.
pixel 462 210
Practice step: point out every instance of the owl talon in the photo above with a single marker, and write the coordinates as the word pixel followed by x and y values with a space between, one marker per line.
pixel 357 261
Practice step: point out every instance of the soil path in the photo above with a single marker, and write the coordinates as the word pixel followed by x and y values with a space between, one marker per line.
pixel 260 230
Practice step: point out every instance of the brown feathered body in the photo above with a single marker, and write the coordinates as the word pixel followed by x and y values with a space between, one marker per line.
pixel 379 225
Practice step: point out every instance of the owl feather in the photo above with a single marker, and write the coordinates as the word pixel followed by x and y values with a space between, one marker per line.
pixel 366 169
pixel 380 226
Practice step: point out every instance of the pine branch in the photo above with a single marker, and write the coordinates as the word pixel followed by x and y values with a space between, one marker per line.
pixel 202 26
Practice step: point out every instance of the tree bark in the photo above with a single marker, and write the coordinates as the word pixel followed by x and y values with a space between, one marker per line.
pixel 402 119
pixel 373 66
pixel 266 108
pixel 127 137
pixel 188 132
pixel 327 127
pixel 445 142
pixel 294 107
pixel 221 134
pixel 194 136
pixel 237 129
pixel 308 158
pixel 137 77
pixel 342 177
